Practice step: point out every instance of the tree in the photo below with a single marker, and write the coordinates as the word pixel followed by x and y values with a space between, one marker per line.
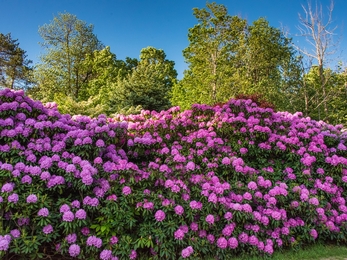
pixel 91 107
pixel 148 84
pixel 67 42
pixel 227 57
pixel 270 66
pixel 15 68
pixel 336 95
pixel 213 47
pixel 319 33
pixel 103 69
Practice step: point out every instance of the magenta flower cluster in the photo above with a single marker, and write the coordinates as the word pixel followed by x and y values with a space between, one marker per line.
pixel 235 176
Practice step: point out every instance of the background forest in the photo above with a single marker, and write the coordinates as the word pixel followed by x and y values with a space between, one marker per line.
pixel 226 56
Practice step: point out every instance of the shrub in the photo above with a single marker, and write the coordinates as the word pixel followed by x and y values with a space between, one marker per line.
pixel 206 182
pixel 258 99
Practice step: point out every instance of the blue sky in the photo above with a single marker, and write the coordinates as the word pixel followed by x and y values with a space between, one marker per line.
pixel 127 26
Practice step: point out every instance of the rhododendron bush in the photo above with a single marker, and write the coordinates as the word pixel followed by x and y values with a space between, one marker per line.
pixel 207 182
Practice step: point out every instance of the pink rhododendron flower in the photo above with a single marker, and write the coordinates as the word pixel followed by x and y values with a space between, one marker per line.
pixel 210 219
pixel 159 215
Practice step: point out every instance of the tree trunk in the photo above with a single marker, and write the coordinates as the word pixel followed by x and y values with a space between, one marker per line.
pixel 214 74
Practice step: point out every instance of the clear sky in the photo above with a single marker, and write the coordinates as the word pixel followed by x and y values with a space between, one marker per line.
pixel 127 26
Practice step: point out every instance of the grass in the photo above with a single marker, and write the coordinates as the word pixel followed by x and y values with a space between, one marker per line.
pixel 313 252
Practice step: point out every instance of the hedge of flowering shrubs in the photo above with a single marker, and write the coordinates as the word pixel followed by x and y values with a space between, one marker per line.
pixel 209 182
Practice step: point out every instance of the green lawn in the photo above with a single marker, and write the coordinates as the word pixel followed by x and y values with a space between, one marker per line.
pixel 315 252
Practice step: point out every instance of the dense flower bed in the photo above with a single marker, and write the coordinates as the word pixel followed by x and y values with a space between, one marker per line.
pixel 206 182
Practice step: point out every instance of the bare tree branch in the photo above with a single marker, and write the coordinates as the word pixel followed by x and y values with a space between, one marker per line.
pixel 319 33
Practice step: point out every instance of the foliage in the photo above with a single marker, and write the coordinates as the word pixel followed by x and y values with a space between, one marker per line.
pixel 226 57
pixel 67 42
pixel 15 69
pixel 209 182
pixel 103 70
pixel 130 110
pixel 335 95
pixel 91 107
pixel 271 66
pixel 212 51
pixel 148 84
pixel 317 28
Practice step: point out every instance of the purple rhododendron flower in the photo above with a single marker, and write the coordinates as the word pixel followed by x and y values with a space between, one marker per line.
pixel 98 160
pixel 113 240
pixel 187 252
pixel 87 140
pixel 68 216
pixel 226 161
pixel 210 219
pixel 4 244
pixel 94 202
pixel 32 198
pixel 228 230
pixel 195 205
pixel 47 163
pixel 222 243
pixel 194 226
pixel 23 221
pixel 252 185
pixel 106 254
pixel 179 210
pixel 179 234
pixel 43 212
pixel 26 179
pixel 314 233
pixel 7 187
pixel 211 238
pixel 269 249
pixel 94 241
pixel 15 233
pixel 112 197
pixel 64 208
pixel 228 215
pixel 7 167
pixel 71 238
pixel 233 243
pixel 13 198
pixel 126 190
pixel 81 214
pixel 45 176
pixel 190 166
pixel 100 143
pixel 243 237
pixel 253 240
pixel 133 255
pixel 70 168
pixel 47 229
pixel 85 231
pixel 75 204
pixel 74 250
pixel 159 215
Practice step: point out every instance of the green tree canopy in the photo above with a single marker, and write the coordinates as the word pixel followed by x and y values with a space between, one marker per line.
pixel 67 41
pixel 226 57
pixel 213 47
pixel 147 84
pixel 15 68
pixel 330 105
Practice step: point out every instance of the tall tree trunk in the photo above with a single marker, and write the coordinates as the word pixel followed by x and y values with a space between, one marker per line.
pixel 214 81
pixel 323 86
